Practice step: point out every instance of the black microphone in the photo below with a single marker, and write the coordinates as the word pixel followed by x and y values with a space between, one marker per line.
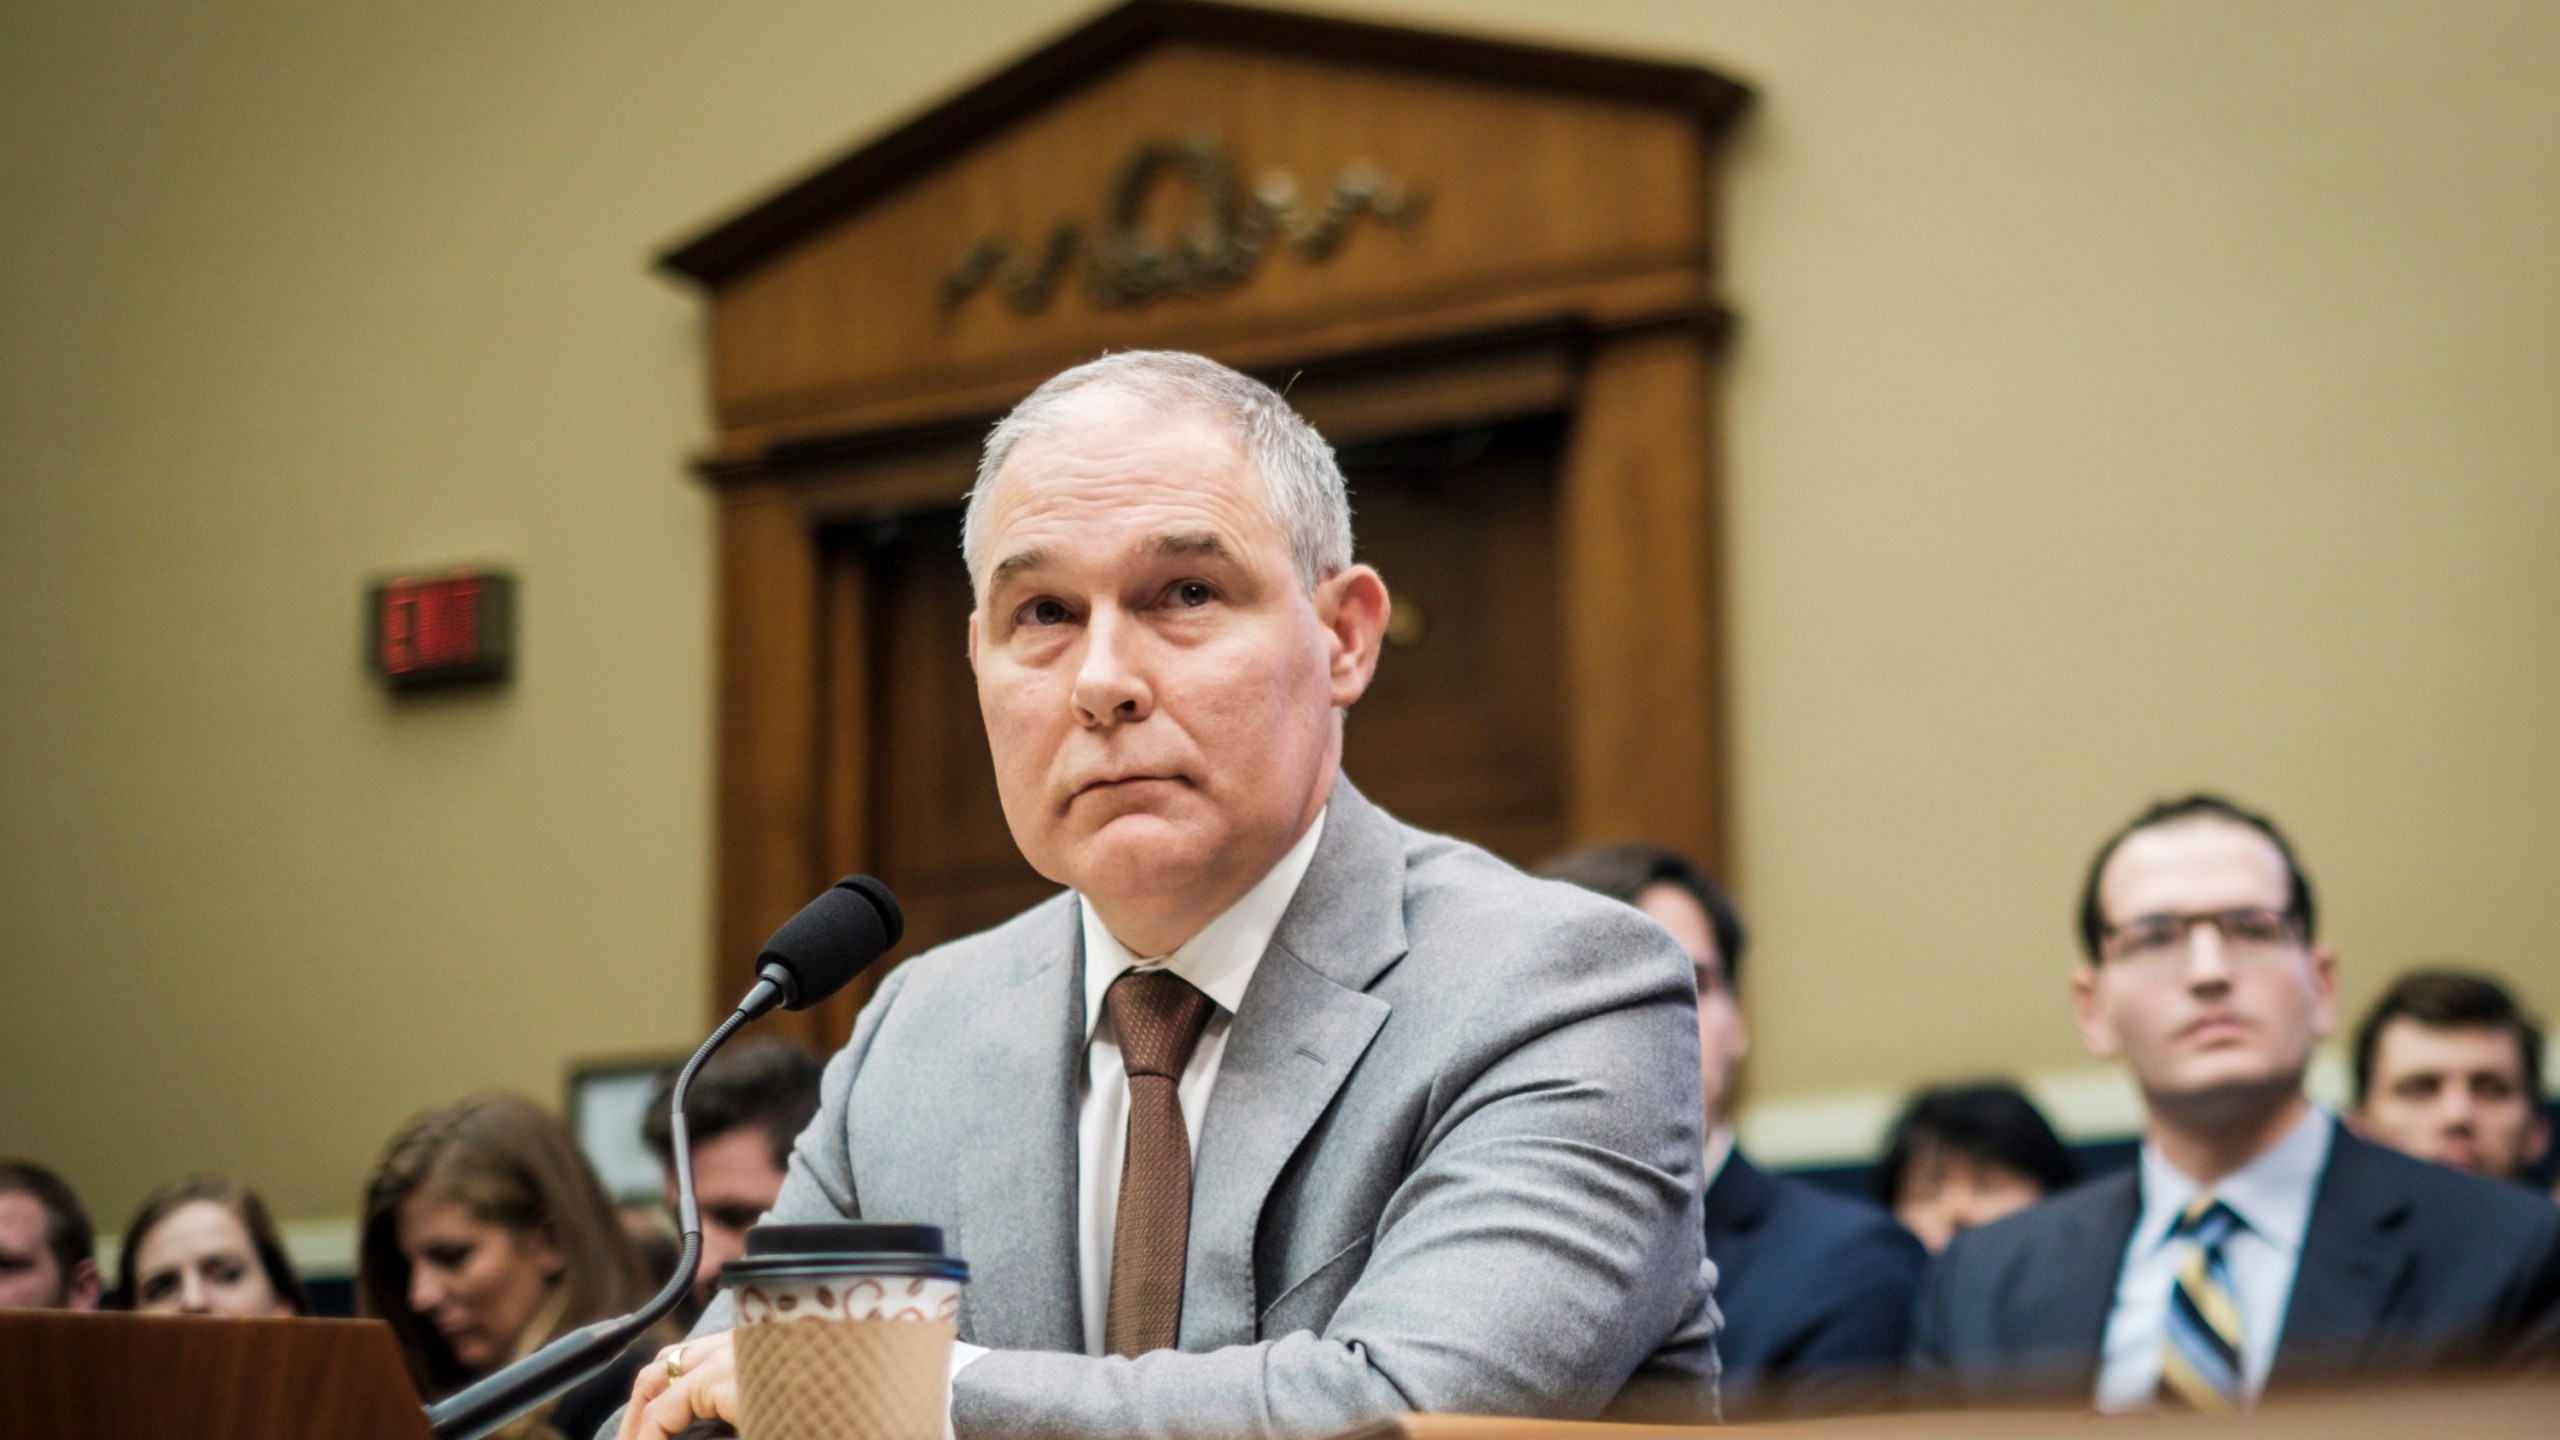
pixel 826 944
pixel 834 938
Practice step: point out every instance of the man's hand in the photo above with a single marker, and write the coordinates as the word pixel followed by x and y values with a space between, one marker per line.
pixel 688 1382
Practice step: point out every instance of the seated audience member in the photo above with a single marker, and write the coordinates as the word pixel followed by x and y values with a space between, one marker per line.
pixel 485 1237
pixel 48 1255
pixel 2257 1244
pixel 1966 1155
pixel 2449 1069
pixel 205 1246
pixel 746 1107
pixel 1816 1288
pixel 1446 1116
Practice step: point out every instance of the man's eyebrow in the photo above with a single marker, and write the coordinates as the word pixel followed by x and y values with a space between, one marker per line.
pixel 1194 542
pixel 1015 564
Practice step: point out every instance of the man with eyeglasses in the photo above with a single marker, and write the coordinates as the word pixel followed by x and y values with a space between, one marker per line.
pixel 2258 1244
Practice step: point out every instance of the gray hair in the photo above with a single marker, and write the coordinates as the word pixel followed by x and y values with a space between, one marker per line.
pixel 1302 486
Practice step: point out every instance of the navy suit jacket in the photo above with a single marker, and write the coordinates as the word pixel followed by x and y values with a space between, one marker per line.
pixel 2406 1268
pixel 1816 1290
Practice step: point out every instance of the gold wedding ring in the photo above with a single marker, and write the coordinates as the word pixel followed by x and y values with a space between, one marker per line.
pixel 675 1363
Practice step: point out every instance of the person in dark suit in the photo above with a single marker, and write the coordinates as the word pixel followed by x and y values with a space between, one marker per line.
pixel 2258 1244
pixel 1816 1288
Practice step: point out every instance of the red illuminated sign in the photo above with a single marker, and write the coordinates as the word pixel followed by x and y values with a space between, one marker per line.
pixel 455 626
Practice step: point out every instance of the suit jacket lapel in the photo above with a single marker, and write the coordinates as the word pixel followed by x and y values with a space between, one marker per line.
pixel 2067 1314
pixel 2355 1259
pixel 1017 1197
pixel 1737 1203
pixel 1302 1026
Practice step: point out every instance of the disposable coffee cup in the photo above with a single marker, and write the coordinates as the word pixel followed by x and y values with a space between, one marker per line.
pixel 844 1331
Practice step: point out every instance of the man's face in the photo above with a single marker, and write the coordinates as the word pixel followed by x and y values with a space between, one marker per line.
pixel 2455 1096
pixel 29 1277
pixel 1722 1041
pixel 1161 693
pixel 734 1183
pixel 2220 1025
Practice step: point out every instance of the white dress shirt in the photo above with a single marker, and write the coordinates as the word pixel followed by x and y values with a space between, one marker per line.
pixel 1219 962
pixel 1719 1150
pixel 2272 1196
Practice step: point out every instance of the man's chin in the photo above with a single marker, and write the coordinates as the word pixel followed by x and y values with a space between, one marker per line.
pixel 1141 851
pixel 2226 1087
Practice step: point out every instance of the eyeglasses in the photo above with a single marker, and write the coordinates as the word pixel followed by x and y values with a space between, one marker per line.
pixel 2250 936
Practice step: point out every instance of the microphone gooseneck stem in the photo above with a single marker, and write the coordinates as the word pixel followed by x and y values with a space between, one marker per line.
pixel 495 1399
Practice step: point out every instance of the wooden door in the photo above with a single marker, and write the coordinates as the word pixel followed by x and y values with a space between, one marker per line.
pixel 1463 730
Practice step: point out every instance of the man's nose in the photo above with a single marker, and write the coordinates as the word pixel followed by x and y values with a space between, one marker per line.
pixel 2458 1107
pixel 1111 686
pixel 2207 966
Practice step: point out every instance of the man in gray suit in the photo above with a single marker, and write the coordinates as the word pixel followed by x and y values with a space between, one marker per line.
pixel 2259 1245
pixel 1286 1117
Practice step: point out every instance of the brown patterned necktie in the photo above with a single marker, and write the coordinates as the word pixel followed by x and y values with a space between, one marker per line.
pixel 1158 1017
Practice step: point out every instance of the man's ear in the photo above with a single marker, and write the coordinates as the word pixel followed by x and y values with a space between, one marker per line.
pixel 2537 1140
pixel 973 641
pixel 2096 1031
pixel 1353 605
pixel 2324 991
pixel 86 1287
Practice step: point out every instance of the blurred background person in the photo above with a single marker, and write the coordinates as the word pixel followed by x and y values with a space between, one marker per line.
pixel 746 1107
pixel 1965 1155
pixel 485 1236
pixel 48 1258
pixel 1816 1288
pixel 206 1246
pixel 2449 1068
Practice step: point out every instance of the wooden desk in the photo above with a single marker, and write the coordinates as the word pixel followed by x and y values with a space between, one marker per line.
pixel 116 1377
pixel 2477 1411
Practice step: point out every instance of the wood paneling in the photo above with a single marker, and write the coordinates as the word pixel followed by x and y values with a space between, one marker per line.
pixel 769 783
pixel 1641 583
pixel 944 848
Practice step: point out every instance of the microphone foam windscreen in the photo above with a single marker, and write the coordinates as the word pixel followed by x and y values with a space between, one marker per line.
pixel 834 938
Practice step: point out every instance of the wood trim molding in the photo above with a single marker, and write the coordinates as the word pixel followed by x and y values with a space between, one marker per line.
pixel 843 186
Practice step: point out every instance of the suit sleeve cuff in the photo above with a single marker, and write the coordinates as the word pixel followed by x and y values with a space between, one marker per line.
pixel 962 1354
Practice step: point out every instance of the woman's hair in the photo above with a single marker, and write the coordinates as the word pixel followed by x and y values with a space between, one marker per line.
pixel 1991 1122
pixel 245 1207
pixel 509 1163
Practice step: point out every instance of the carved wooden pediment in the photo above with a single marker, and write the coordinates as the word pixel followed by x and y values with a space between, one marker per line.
pixel 1242 182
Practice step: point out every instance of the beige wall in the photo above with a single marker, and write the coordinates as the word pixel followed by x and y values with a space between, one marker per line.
pixel 2130 397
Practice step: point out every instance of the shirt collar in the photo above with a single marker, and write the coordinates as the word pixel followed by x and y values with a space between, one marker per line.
pixel 1719 1150
pixel 2271 1194
pixel 1220 960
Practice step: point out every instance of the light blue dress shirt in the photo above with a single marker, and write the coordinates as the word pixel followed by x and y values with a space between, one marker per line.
pixel 2272 1196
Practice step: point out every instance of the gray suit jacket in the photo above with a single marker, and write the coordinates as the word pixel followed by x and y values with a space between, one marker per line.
pixel 1451 1162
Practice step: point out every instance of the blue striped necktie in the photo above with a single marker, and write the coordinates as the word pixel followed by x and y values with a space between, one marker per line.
pixel 2200 1345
